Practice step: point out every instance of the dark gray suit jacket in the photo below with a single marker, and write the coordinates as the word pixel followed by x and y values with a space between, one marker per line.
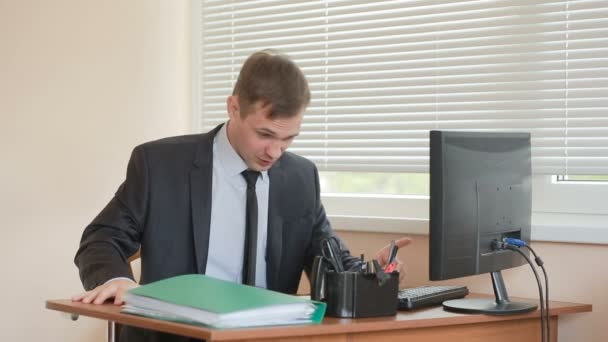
pixel 164 207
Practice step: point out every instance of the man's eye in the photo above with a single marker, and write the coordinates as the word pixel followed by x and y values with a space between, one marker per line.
pixel 264 135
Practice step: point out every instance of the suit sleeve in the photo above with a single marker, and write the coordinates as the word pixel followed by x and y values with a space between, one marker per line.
pixel 321 230
pixel 115 234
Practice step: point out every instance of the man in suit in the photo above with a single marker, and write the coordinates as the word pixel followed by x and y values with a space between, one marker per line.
pixel 188 203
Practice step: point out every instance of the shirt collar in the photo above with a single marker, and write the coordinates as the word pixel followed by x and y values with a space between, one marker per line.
pixel 228 158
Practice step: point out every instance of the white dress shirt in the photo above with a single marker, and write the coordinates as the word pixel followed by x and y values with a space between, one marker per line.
pixel 228 206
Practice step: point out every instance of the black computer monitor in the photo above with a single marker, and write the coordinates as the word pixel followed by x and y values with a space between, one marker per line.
pixel 480 193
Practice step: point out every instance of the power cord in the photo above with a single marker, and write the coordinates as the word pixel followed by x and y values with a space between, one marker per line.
pixel 540 263
pixel 514 245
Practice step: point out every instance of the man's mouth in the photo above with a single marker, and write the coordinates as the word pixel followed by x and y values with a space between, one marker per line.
pixel 264 162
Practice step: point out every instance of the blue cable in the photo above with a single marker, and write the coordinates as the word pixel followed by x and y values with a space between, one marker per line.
pixel 515 242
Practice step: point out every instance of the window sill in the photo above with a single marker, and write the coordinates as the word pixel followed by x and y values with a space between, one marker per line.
pixel 570 228
pixel 564 213
pixel 379 224
pixel 590 230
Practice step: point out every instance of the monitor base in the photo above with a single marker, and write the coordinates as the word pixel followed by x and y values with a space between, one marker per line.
pixel 487 306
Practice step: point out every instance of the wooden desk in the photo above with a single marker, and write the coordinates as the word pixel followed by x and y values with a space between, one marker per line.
pixel 424 325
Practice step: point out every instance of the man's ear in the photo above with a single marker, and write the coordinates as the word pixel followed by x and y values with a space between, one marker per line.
pixel 232 105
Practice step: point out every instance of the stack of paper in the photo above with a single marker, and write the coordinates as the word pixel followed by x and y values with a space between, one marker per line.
pixel 200 299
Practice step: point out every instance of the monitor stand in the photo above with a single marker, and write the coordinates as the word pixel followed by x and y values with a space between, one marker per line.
pixel 501 305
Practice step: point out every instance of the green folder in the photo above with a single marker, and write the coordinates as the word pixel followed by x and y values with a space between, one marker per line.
pixel 199 299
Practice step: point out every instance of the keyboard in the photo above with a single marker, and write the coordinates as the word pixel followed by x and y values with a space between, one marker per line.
pixel 423 296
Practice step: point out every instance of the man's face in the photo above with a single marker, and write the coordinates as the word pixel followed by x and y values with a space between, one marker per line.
pixel 259 140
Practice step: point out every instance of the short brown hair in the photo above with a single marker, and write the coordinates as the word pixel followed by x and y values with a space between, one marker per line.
pixel 275 80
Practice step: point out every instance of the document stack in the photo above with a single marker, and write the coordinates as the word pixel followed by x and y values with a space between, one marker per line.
pixel 199 299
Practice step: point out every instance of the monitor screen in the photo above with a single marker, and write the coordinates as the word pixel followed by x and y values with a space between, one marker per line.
pixel 480 192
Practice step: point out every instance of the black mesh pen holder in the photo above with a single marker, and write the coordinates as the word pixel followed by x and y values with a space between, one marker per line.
pixel 355 294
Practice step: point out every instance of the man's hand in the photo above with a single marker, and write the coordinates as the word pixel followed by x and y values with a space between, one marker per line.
pixel 115 288
pixel 382 257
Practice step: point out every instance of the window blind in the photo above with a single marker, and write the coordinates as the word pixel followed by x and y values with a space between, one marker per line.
pixel 384 73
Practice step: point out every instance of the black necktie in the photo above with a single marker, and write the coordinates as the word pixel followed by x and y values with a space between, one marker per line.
pixel 251 228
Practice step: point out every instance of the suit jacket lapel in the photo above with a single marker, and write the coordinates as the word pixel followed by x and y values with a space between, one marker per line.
pixel 201 182
pixel 274 241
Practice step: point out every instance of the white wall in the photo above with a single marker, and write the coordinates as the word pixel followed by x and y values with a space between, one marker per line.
pixel 81 83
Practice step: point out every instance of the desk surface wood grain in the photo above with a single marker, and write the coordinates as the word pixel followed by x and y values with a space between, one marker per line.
pixel 404 320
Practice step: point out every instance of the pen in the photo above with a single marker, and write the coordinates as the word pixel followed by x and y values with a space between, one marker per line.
pixel 332 252
pixel 390 267
pixel 392 254
pixel 337 254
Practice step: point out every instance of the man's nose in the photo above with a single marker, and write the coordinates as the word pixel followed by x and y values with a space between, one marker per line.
pixel 274 150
